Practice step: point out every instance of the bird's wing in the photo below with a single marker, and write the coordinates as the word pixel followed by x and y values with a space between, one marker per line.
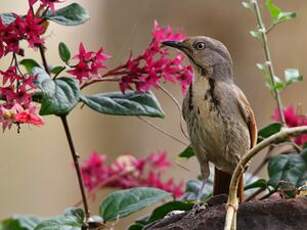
pixel 248 115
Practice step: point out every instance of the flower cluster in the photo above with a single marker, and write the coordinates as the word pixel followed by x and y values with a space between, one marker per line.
pixel 89 63
pixel 45 3
pixel 155 65
pixel 18 106
pixel 127 172
pixel 21 28
pixel 293 119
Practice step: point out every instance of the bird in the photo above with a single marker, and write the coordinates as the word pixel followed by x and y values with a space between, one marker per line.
pixel 220 120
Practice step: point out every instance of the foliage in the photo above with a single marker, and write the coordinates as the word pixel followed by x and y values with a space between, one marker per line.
pixel 38 89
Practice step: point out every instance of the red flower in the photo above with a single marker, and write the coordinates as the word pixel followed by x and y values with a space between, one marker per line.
pixel 154 65
pixel 293 119
pixel 29 116
pixel 127 172
pixel 89 63
pixel 48 3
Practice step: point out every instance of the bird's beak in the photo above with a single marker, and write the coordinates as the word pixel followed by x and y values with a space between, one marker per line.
pixel 175 44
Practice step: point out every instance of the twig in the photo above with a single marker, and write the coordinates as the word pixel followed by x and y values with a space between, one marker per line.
pixel 268 59
pixel 233 202
pixel 162 131
pixel 173 98
pixel 75 157
pixel 252 196
pixel 43 56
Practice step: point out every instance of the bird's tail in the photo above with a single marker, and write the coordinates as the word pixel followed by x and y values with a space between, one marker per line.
pixel 222 182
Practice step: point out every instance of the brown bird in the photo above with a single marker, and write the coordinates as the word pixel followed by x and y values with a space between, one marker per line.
pixel 220 121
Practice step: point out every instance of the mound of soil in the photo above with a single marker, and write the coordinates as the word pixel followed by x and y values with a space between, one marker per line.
pixel 270 214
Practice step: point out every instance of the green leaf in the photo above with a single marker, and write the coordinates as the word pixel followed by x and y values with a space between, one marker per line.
pixel 247 5
pixel 289 168
pixel 60 96
pixel 7 18
pixel 29 64
pixel 187 153
pixel 125 202
pixel 273 9
pixel 164 209
pixel 269 130
pixel 57 70
pixel 193 187
pixel 260 183
pixel 128 104
pixel 64 52
pixel 70 15
pixel 277 14
pixel 256 34
pixel 286 16
pixel 292 75
pixel 18 222
pixel 73 219
pixel 136 227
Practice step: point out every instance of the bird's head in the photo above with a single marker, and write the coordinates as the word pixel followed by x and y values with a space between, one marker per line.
pixel 205 54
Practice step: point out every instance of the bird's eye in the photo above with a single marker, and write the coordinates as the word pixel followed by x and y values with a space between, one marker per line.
pixel 200 45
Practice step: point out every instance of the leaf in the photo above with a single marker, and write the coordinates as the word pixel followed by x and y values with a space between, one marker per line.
pixel 164 209
pixel 192 191
pixel 277 14
pixel 256 34
pixel 29 64
pixel 57 70
pixel 187 153
pixel 136 227
pixel 7 18
pixel 125 202
pixel 289 168
pixel 73 219
pixel 260 183
pixel 247 5
pixel 19 222
pixel 128 104
pixel 64 52
pixel 60 96
pixel 70 15
pixel 269 130
pixel 273 9
pixel 292 75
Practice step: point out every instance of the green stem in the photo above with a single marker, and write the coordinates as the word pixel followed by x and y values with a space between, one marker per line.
pixel 268 59
pixel 75 157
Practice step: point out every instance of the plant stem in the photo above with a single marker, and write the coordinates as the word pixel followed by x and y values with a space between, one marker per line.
pixel 268 59
pixel 43 56
pixel 162 131
pixel 233 202
pixel 75 157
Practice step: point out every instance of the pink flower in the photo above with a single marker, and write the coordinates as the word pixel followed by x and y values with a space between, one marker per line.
pixel 44 3
pixel 127 171
pixel 293 120
pixel 154 66
pixel 22 28
pixel 89 63
pixel 29 116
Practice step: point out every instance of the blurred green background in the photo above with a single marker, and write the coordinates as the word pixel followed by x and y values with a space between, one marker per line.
pixel 36 171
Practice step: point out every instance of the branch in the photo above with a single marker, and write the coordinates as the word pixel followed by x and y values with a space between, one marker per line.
pixel 232 204
pixel 268 59
pixel 75 157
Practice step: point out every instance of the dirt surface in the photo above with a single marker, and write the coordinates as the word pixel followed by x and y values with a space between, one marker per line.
pixel 270 214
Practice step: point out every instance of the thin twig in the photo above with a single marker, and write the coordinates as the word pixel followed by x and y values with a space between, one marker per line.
pixel 173 98
pixel 43 56
pixel 75 157
pixel 162 131
pixel 233 202
pixel 268 59
pixel 253 195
